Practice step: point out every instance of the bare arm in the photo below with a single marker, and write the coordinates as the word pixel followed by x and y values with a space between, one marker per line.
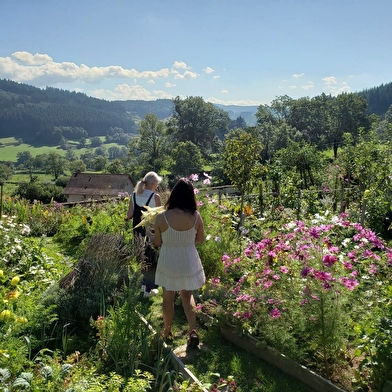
pixel 199 230
pixel 157 199
pixel 130 209
pixel 156 238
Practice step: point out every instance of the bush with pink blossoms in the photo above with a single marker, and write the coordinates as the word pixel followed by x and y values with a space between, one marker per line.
pixel 310 292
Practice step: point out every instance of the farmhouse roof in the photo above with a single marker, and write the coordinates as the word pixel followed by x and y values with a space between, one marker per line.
pixel 92 184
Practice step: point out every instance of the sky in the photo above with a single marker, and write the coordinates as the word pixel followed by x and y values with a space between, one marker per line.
pixel 228 52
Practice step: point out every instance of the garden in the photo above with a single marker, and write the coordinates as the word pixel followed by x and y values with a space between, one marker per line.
pixel 311 282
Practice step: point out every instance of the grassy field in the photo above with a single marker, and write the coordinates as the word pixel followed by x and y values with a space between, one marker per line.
pixel 9 149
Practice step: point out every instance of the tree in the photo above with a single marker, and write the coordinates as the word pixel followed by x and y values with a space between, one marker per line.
pixel 116 167
pixel 305 160
pixel 99 163
pixel 23 158
pixel 239 122
pixel 77 165
pixel 6 172
pixel 348 115
pixel 55 164
pixel 152 142
pixel 187 159
pixel 198 121
pixel 241 159
pixel 95 141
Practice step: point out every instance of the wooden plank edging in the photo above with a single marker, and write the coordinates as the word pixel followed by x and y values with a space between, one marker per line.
pixel 300 372
pixel 176 362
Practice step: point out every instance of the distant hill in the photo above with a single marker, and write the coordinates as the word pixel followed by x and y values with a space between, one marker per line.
pixel 246 112
pixel 35 115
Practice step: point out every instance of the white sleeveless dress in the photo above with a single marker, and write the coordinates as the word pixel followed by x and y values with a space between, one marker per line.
pixel 179 265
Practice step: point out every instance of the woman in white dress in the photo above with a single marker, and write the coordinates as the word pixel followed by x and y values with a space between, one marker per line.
pixel 177 230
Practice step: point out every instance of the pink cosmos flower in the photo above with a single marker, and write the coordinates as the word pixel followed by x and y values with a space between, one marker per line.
pixel 275 313
pixel 329 260
pixel 194 177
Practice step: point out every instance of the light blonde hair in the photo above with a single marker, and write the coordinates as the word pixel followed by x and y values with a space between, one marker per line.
pixel 150 178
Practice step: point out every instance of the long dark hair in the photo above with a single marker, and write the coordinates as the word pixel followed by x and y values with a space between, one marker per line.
pixel 182 196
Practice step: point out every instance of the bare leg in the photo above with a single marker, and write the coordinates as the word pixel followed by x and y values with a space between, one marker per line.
pixel 168 309
pixel 188 303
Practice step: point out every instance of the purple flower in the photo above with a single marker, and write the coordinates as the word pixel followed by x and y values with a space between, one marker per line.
pixel 306 271
pixel 329 260
pixel 284 269
pixel 275 313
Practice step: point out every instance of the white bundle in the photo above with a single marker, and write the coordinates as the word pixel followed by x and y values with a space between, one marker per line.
pixel 148 216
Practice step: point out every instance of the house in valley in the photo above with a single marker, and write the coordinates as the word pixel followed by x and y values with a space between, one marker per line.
pixel 91 186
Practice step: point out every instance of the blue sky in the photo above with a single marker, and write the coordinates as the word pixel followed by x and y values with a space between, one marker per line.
pixel 230 52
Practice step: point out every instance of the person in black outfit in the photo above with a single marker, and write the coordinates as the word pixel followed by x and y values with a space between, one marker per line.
pixel 145 195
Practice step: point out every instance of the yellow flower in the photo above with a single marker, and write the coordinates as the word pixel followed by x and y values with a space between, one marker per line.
pixel 5 315
pixel 13 294
pixel 22 320
pixel 366 193
pixel 1 273
pixel 15 280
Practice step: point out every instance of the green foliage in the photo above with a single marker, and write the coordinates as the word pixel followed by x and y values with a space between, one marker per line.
pixel 81 222
pixel 42 192
pixel 197 121
pixel 107 264
pixel 220 235
pixel 186 157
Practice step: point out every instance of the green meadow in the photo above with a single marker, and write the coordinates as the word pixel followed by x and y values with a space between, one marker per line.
pixel 10 147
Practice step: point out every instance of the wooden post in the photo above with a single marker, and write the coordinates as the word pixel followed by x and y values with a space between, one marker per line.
pixel 299 204
pixel 1 200
pixel 342 203
pixel 363 211
pixel 261 202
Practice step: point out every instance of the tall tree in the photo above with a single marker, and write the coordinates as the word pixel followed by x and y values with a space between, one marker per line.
pixel 198 121
pixel 153 142
pixel 55 164
pixel 186 159
pixel 242 162
pixel 348 115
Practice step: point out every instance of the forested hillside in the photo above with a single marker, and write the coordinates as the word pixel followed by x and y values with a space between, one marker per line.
pixel 379 98
pixel 33 114
pixel 38 115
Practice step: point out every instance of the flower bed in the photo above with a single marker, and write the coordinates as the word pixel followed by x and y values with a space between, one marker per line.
pixel 317 293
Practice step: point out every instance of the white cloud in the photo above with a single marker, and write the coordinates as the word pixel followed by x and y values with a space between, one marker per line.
pixel 296 76
pixel 330 80
pixel 186 75
pixel 126 92
pixel 29 59
pixel 169 85
pixel 308 86
pixel 208 70
pixel 40 68
pixel 293 86
pixel 151 81
pixel 216 77
pixel 224 91
pixel 241 102
pixel 180 64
